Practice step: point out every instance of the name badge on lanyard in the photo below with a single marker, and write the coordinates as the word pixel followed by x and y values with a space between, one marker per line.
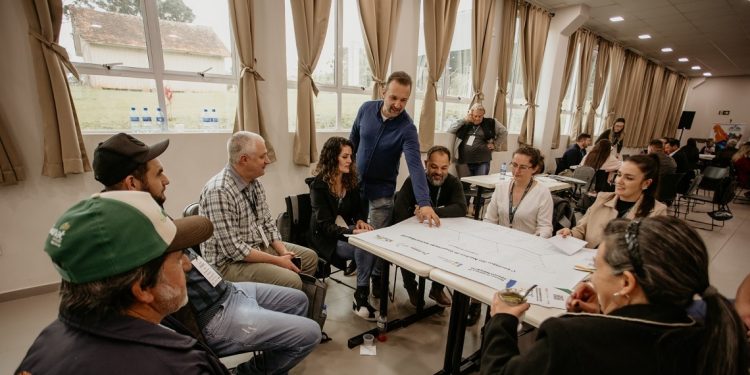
pixel 206 270
pixel 470 141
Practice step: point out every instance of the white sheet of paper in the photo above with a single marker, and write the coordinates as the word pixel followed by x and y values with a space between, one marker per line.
pixel 569 245
pixel 368 350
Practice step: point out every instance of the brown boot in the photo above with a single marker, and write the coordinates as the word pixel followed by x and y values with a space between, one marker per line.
pixel 440 296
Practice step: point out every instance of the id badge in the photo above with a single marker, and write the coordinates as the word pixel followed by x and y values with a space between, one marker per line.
pixel 263 236
pixel 470 141
pixel 207 271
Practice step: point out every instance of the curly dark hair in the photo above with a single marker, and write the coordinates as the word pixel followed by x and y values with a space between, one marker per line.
pixel 328 165
pixel 535 156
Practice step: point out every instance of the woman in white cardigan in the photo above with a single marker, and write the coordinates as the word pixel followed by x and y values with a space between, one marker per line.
pixel 521 202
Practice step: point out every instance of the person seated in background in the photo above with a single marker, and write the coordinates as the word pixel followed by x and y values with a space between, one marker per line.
pixel 447 197
pixel 634 197
pixel 575 153
pixel 708 148
pixel 246 245
pixel 337 212
pixel 723 158
pixel 476 137
pixel 217 308
pixel 667 165
pixel 741 163
pixel 673 150
pixel 520 202
pixel 604 162
pixel 615 135
pixel 631 317
pixel 116 291
pixel 692 154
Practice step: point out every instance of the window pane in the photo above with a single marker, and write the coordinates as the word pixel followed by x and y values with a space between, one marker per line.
pixel 195 37
pixel 418 101
pixel 325 110
pixel 291 44
pixel 325 71
pixel 291 109
pixel 516 116
pixel 187 101
pixel 354 66
pixel 104 32
pixel 453 113
pixel 104 103
pixel 458 67
pixel 350 104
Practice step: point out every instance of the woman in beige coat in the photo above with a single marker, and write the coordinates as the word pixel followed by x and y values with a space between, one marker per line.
pixel 635 186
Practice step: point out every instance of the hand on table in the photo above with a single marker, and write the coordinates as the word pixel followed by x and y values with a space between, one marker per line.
pixel 427 213
pixel 363 226
pixel 565 232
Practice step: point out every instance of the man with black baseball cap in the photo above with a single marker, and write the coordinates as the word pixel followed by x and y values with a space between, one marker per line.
pixel 223 310
pixel 123 272
pixel 122 162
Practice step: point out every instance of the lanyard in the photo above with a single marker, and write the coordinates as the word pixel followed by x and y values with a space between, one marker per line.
pixel 437 198
pixel 252 200
pixel 511 209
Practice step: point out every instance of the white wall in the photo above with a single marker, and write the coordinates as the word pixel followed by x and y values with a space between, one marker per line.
pixel 707 96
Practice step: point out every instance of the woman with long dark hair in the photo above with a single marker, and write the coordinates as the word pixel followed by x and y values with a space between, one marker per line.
pixel 337 212
pixel 631 318
pixel 603 161
pixel 615 135
pixel 636 184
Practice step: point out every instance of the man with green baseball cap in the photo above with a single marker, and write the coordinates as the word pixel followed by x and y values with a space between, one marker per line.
pixel 123 271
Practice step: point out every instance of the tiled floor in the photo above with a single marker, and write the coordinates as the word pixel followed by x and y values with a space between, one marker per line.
pixel 417 349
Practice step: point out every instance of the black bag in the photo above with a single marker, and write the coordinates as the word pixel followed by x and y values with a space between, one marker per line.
pixel 317 310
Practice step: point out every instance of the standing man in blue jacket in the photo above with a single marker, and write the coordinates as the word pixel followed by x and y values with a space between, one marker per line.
pixel 382 131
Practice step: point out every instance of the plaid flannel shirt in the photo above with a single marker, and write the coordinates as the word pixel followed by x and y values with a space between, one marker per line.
pixel 239 212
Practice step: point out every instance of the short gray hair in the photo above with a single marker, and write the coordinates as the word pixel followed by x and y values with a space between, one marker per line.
pixel 242 142
pixel 477 107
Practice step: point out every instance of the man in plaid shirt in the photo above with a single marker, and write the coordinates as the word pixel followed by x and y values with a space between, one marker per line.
pixel 246 245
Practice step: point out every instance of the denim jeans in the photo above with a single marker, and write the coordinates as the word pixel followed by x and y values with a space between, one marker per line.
pixel 380 214
pixel 264 317
pixel 478 169
pixel 364 260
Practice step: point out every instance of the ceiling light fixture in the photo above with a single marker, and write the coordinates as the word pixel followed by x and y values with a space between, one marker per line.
pixel 616 19
pixel 666 49
pixel 683 59
pixel 695 67
pixel 707 74
pixel 644 36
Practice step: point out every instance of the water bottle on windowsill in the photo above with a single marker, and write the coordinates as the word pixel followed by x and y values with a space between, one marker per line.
pixel 503 170
pixel 135 120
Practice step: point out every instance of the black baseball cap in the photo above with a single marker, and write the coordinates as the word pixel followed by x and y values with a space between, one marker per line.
pixel 120 155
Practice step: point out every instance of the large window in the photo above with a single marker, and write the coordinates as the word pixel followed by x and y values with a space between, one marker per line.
pixel 151 65
pixel 342 74
pixel 454 91
pixel 569 101
pixel 515 100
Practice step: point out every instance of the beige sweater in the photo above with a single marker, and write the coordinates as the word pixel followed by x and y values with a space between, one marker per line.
pixel 592 224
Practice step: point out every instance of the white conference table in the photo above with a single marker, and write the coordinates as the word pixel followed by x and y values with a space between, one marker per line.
pixel 488 182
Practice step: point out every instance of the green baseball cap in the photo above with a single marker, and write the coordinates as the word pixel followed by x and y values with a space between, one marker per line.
pixel 114 232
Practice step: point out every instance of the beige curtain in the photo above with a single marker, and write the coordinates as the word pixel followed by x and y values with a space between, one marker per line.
pixel 379 23
pixel 439 22
pixel 482 22
pixel 600 80
pixel 677 100
pixel 653 99
pixel 535 25
pixel 11 168
pixel 507 41
pixel 587 41
pixel 616 64
pixel 569 62
pixel 660 112
pixel 249 116
pixel 64 152
pixel 310 25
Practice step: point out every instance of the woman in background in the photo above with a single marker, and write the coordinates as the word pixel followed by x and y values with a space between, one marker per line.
pixel 635 188
pixel 602 160
pixel 631 318
pixel 614 135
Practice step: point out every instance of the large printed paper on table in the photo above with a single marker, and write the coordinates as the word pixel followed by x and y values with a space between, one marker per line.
pixel 490 254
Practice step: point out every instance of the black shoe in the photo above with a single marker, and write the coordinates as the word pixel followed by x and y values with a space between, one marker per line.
pixel 362 308
pixel 475 311
pixel 413 295
pixel 351 269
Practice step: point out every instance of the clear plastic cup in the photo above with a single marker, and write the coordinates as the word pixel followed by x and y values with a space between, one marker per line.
pixel 368 340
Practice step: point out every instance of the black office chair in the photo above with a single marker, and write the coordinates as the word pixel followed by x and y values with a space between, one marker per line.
pixel 722 189
pixel 667 189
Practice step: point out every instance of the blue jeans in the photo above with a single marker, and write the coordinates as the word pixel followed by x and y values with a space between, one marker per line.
pixel 364 260
pixel 380 214
pixel 479 169
pixel 264 317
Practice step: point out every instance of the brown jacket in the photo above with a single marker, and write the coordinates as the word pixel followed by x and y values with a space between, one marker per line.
pixel 592 224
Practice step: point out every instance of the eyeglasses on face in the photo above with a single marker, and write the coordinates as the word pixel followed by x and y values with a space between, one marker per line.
pixel 520 166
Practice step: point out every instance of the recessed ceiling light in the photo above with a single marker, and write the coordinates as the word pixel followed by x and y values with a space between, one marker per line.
pixel 683 59
pixel 707 74
pixel 644 36
pixel 695 67
pixel 666 49
pixel 616 19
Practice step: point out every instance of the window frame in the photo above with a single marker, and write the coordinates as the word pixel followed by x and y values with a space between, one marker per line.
pixel 156 70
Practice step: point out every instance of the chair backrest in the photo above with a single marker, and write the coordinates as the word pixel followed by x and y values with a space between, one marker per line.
pixel 563 214
pixel 667 190
pixel 584 173
pixel 715 173
pixel 299 209
pixel 601 182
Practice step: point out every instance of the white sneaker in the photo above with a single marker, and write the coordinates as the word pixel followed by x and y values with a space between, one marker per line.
pixel 365 311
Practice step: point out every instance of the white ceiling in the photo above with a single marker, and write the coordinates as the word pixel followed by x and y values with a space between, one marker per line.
pixel 713 34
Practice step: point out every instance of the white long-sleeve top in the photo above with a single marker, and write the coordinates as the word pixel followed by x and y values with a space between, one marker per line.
pixel 533 215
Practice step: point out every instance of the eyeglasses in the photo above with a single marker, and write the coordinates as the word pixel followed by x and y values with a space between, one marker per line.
pixel 520 167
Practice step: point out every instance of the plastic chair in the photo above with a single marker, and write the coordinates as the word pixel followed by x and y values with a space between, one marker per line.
pixel 667 190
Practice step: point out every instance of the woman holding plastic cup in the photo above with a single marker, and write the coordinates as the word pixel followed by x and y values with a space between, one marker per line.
pixel 631 318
